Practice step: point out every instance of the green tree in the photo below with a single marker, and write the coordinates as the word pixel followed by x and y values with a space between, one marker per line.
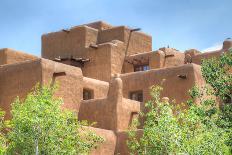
pixel 3 140
pixel 175 130
pixel 218 73
pixel 200 129
pixel 40 126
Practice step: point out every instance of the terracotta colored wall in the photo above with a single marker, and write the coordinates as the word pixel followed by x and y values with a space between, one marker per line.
pixel 139 42
pixel 99 65
pixel 113 112
pixel 141 57
pixel 108 56
pixel 117 58
pixel 100 88
pixel 155 59
pixel 100 25
pixel 66 44
pixel 17 80
pixel 104 61
pixel 174 87
pixel 108 147
pixel 197 59
pixel 2 57
pixel 172 57
pixel 10 56
pixel 115 33
pixel 122 138
pixel 99 111
pixel 70 85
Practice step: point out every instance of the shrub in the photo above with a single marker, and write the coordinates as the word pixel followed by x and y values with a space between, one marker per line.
pixel 40 126
pixel 174 130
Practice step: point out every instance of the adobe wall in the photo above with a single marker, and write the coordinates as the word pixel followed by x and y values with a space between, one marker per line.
pixel 17 80
pixel 172 57
pixel 117 58
pixel 100 88
pixel 139 42
pixel 198 58
pixel 111 113
pixel 109 53
pixel 194 56
pixel 20 78
pixel 69 80
pixel 108 146
pixel 2 57
pixel 174 86
pixel 104 61
pixel 99 111
pixel 100 25
pixel 67 44
pixel 99 65
pixel 114 33
pixel 122 138
pixel 163 58
pixel 136 59
pixel 10 56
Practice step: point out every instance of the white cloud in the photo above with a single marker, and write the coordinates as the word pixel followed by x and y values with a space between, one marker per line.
pixel 215 47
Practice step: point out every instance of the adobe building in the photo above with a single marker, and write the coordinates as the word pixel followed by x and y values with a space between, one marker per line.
pixel 104 73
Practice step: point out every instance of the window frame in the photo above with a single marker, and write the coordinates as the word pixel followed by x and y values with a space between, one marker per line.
pixel 139 95
pixel 142 67
pixel 90 94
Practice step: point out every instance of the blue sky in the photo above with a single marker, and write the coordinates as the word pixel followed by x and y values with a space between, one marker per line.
pixel 181 24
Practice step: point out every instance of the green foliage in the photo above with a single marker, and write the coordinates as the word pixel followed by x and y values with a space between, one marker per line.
pixel 40 126
pixel 169 130
pixel 3 140
pixel 217 72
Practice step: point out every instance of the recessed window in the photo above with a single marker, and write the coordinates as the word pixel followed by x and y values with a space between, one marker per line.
pixel 141 67
pixel 87 94
pixel 137 95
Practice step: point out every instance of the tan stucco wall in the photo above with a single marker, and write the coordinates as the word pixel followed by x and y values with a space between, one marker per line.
pixel 70 85
pixel 163 58
pixel 17 80
pixel 99 65
pixel 110 108
pixel 174 87
pixel 197 59
pixel 2 57
pixel 100 88
pixel 66 44
pixel 139 42
pixel 111 113
pixel 108 146
pixel 122 138
pixel 10 56
pixel 100 25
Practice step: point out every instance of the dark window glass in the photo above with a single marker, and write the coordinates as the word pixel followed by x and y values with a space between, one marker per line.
pixel 87 94
pixel 141 68
pixel 137 95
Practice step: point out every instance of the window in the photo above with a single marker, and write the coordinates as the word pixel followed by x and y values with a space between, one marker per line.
pixel 137 95
pixel 87 94
pixel 141 68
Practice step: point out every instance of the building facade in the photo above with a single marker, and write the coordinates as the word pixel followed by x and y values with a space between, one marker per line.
pixel 104 73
